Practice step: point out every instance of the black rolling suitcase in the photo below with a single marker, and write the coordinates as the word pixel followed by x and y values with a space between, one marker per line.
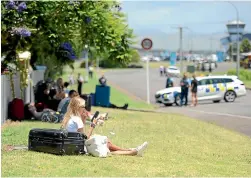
pixel 88 101
pixel 56 141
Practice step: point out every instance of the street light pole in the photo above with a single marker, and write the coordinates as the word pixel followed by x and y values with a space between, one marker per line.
pixel 181 53
pixel 86 64
pixel 238 44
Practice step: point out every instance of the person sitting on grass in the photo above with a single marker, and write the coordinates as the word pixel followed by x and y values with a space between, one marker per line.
pixel 62 107
pixel 102 80
pixel 74 121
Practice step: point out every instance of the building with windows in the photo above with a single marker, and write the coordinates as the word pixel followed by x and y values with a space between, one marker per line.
pixel 233 35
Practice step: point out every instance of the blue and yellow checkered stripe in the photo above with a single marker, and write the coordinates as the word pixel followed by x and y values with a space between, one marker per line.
pixel 216 88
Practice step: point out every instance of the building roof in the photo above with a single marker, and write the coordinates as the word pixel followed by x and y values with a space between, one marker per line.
pixel 234 22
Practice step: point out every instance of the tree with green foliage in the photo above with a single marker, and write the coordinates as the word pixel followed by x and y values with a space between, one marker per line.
pixel 55 32
pixel 245 46
pixel 135 57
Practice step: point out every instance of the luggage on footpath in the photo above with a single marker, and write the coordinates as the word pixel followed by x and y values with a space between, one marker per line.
pixel 16 109
pixel 88 101
pixel 57 141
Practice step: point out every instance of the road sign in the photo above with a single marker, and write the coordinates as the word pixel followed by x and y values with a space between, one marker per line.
pixel 146 44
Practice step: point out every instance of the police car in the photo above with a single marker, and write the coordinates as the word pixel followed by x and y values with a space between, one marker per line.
pixel 215 88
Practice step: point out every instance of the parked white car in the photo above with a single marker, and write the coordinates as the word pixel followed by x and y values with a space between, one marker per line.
pixel 173 71
pixel 215 88
pixel 156 59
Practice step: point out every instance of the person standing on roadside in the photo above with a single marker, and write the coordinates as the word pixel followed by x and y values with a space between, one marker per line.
pixel 91 72
pixel 161 70
pixel 184 90
pixel 169 82
pixel 194 86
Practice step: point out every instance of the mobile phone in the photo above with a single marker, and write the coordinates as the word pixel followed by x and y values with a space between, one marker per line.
pixel 95 115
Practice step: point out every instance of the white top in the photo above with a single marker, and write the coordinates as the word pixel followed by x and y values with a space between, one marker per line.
pixel 81 79
pixel 91 69
pixel 74 124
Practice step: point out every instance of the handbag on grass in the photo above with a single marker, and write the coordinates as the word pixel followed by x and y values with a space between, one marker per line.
pixel 96 146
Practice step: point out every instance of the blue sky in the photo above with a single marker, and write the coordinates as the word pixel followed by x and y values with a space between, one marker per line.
pixel 200 17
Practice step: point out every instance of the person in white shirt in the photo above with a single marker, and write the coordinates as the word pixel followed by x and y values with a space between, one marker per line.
pixel 74 121
pixel 161 70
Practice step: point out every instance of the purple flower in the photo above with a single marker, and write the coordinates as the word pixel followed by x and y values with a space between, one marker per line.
pixel 21 31
pixel 22 6
pixel 68 51
pixel 71 56
pixel 88 20
pixel 67 46
pixel 10 5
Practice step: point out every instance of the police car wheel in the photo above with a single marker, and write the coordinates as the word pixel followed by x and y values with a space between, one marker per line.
pixel 230 96
pixel 177 99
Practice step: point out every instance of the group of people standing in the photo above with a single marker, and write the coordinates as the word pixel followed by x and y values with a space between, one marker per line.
pixel 162 70
pixel 185 84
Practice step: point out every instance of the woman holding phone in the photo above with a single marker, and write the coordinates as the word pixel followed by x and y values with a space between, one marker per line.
pixel 75 119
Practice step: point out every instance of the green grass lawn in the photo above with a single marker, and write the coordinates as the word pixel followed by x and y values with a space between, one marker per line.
pixel 178 146
pixel 247 84
pixel 118 96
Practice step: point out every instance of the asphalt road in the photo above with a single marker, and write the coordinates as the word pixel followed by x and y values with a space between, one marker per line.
pixel 235 116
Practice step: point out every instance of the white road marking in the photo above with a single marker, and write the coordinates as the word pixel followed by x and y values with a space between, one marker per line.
pixel 221 114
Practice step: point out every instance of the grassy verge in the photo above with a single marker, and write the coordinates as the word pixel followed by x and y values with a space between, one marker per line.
pixel 118 97
pixel 178 146
pixel 244 75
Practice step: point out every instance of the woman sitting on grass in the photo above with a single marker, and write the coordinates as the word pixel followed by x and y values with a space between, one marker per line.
pixel 75 119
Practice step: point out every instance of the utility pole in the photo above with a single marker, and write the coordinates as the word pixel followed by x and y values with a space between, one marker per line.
pixel 181 46
pixel 238 39
pixel 211 45
pixel 232 54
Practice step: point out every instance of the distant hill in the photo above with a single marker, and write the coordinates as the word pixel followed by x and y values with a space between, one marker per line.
pixel 170 41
